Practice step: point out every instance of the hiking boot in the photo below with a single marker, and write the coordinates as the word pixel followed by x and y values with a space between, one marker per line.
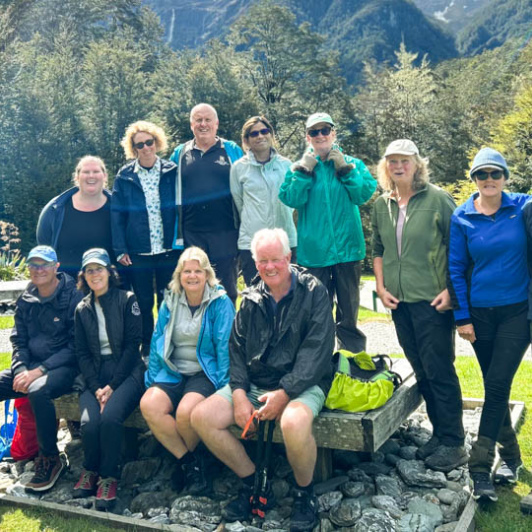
pixel 483 487
pixel 48 469
pixel 304 512
pixel 447 458
pixel 177 480
pixel 86 485
pixel 239 509
pixel 428 448
pixel 508 472
pixel 526 504
pixel 106 494
pixel 194 473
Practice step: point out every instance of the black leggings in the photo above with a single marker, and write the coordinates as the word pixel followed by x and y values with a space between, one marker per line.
pixel 502 337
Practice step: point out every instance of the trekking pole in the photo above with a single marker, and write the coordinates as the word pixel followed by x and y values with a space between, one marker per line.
pixel 258 469
pixel 262 475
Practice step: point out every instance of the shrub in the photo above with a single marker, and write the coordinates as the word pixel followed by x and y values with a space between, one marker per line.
pixel 12 266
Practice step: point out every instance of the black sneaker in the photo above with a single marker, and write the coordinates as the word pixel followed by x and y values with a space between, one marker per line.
pixel 239 509
pixel 483 487
pixel 304 512
pixel 426 450
pixel 194 472
pixel 48 469
pixel 508 472
pixel 446 458
pixel 526 504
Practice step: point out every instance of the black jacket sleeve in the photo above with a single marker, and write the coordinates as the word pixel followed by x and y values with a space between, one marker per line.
pixel 83 353
pixel 314 357
pixel 20 360
pixel 237 348
pixel 130 355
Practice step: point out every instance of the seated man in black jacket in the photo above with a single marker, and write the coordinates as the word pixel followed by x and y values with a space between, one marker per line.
pixel 280 351
pixel 43 363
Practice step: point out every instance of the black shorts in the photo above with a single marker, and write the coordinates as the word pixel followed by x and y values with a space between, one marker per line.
pixel 198 383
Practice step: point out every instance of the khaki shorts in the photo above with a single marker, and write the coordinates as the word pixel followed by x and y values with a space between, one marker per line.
pixel 312 397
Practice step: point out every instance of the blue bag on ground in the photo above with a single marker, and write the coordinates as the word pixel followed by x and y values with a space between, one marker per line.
pixel 7 430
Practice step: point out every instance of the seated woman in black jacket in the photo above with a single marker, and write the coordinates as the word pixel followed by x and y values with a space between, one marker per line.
pixel 108 335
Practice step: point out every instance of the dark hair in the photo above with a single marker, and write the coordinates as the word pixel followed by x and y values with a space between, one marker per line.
pixel 250 122
pixel 114 280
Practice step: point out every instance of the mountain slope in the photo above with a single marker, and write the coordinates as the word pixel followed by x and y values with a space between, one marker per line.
pixel 360 30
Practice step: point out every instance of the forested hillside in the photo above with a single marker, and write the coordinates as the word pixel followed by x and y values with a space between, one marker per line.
pixel 72 79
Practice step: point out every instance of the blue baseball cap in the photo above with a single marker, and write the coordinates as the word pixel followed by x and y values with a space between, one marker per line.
pixel 46 253
pixel 96 256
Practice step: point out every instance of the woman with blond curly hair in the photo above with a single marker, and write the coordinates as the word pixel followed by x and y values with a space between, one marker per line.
pixel 143 212
pixel 411 221
pixel 189 361
pixel 80 217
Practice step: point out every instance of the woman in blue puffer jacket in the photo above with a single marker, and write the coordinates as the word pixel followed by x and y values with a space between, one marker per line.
pixel 189 360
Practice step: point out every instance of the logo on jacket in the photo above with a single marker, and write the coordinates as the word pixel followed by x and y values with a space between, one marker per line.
pixel 221 161
pixel 57 319
pixel 135 309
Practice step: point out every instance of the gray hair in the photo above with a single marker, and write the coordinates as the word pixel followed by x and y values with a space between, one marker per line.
pixel 270 236
pixel 196 108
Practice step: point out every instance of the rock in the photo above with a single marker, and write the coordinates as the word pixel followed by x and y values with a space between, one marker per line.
pixel 449 513
pixel 237 526
pixel 448 527
pixel 353 489
pixel 182 528
pixel 372 469
pixel 391 446
pixel 5 467
pixel 81 503
pixel 431 510
pixel 408 452
pixel 415 523
pixel 392 459
pixel 388 504
pixel 136 515
pixel 345 459
pixel 272 525
pixel 153 512
pixel 377 457
pixel 374 520
pixel 359 476
pixel 59 494
pixel 365 501
pixel 388 486
pixel 195 511
pixel 18 490
pixel 282 467
pixel 447 496
pixel 147 501
pixel 414 473
pixel 325 525
pixel 455 475
pixel 330 499
pixel 280 488
pixel 153 485
pixel 330 485
pixel 454 486
pixel 161 519
pixel 431 497
pixel 346 513
pixel 149 447
pixel 139 471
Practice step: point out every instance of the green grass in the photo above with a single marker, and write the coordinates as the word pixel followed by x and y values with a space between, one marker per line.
pixel 5 361
pixel 365 314
pixel 7 322
pixel 19 520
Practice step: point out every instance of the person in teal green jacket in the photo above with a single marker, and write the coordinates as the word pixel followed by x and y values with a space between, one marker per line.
pixel 326 187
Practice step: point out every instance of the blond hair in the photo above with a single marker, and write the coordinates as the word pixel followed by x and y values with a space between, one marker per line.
pixel 141 126
pixel 421 175
pixel 192 253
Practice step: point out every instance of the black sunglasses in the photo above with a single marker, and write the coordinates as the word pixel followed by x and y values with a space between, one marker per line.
pixel 325 131
pixel 265 131
pixel 481 175
pixel 140 145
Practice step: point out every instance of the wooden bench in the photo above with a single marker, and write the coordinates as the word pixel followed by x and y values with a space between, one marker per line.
pixel 365 431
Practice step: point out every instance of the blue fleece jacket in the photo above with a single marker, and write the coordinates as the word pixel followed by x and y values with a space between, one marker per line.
pixel 488 256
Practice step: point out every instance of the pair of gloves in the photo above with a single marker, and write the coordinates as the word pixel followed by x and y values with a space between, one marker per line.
pixel 309 161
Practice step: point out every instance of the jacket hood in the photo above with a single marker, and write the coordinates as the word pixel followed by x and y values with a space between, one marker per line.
pixel 66 283
pixel 65 196
pixel 209 294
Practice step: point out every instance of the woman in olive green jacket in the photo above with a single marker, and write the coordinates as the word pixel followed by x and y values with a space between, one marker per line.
pixel 411 222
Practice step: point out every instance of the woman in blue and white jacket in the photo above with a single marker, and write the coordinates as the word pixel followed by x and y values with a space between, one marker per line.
pixel 189 360
pixel 489 287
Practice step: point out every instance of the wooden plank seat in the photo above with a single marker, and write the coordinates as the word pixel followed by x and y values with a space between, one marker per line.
pixel 364 431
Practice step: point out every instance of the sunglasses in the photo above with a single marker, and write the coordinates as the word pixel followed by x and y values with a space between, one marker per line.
pixel 253 134
pixel 481 175
pixel 325 131
pixel 140 145
pixel 36 267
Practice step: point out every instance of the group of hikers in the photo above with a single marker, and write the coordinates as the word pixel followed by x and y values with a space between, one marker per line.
pixel 182 229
